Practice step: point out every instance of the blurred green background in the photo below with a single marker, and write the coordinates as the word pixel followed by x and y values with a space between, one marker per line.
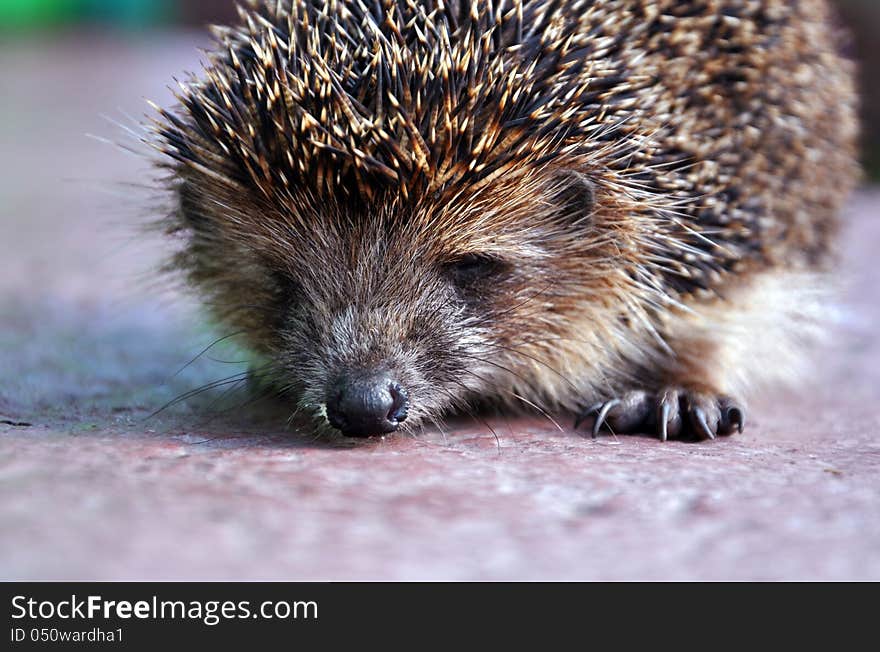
pixel 862 17
pixel 36 13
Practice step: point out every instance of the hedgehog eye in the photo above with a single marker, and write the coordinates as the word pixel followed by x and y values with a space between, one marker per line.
pixel 471 269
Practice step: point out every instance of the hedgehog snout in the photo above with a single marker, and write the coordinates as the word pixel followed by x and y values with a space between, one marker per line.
pixel 365 404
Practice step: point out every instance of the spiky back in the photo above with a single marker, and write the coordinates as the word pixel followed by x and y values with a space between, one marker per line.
pixel 345 97
pixel 727 130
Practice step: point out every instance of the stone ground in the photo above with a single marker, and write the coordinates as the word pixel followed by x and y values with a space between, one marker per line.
pixel 91 487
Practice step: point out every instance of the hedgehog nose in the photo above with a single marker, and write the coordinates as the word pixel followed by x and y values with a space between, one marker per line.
pixel 367 405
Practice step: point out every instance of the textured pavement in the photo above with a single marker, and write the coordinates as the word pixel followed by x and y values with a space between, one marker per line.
pixel 92 487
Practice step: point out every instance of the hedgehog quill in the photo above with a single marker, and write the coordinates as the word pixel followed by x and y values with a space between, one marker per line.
pixel 619 209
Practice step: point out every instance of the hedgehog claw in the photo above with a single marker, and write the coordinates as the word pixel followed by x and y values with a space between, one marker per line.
pixel 671 413
pixel 736 416
pixel 663 425
pixel 732 417
pixel 668 419
pixel 701 427
pixel 603 414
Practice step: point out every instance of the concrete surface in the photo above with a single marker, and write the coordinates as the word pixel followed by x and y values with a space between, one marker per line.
pixel 91 488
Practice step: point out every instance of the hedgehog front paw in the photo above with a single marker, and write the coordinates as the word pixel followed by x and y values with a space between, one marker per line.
pixel 672 413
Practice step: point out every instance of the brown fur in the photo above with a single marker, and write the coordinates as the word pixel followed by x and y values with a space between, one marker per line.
pixel 650 188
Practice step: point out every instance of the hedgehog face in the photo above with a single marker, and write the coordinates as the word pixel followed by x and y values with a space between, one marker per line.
pixel 377 317
pixel 384 326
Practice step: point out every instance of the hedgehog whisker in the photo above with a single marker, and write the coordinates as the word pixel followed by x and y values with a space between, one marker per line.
pixel 193 393
pixel 267 392
pixel 540 362
pixel 209 410
pixel 514 394
pixel 203 351
pixel 468 409
pixel 244 375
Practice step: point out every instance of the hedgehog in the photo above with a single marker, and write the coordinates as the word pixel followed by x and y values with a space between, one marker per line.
pixel 618 209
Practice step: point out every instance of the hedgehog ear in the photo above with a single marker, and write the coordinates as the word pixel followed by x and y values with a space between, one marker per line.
pixel 575 195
